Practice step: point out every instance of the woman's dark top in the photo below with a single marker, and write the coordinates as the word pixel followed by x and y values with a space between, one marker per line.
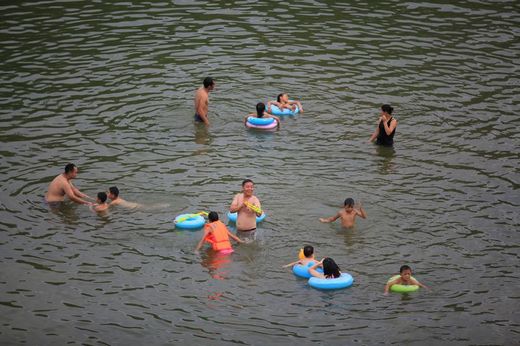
pixel 382 137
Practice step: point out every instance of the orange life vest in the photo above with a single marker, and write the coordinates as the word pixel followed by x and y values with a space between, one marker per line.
pixel 218 237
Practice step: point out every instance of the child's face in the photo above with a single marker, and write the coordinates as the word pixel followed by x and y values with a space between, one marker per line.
pixel 248 188
pixel 406 274
pixel 349 208
pixel 98 200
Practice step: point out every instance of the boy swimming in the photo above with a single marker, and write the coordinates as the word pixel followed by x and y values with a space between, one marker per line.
pixel 217 234
pixel 102 204
pixel 347 214
pixel 308 253
pixel 405 278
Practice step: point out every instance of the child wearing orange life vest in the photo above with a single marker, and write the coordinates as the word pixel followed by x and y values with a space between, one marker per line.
pixel 217 234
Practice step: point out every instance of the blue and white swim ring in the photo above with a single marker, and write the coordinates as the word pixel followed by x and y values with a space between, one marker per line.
pixel 277 111
pixel 192 222
pixel 303 270
pixel 233 217
pixel 344 281
pixel 260 121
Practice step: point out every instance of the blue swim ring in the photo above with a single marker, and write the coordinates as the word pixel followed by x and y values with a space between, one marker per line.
pixel 303 270
pixel 192 222
pixel 260 121
pixel 276 111
pixel 344 281
pixel 233 217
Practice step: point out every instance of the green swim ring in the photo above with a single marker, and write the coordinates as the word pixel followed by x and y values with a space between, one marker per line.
pixel 402 288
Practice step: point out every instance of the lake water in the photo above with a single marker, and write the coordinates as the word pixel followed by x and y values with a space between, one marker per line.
pixel 110 85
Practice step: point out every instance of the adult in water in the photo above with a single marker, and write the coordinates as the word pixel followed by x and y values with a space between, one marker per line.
pixel 62 186
pixel 246 217
pixel 385 131
pixel 202 100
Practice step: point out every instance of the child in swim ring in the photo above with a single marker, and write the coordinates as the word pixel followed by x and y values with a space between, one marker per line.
pixel 261 113
pixel 405 278
pixel 282 102
pixel 217 234
pixel 330 269
pixel 308 253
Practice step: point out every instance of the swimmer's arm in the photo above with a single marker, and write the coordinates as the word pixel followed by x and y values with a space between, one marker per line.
pixel 313 272
pixel 375 134
pixel 78 193
pixel 389 129
pixel 390 284
pixel 235 207
pixel 70 192
pixel 415 282
pixel 206 231
pixel 278 123
pixel 298 104
pixel 361 212
pixel 292 264
pixel 330 219
pixel 237 239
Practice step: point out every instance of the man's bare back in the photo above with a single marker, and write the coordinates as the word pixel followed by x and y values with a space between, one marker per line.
pixel 201 101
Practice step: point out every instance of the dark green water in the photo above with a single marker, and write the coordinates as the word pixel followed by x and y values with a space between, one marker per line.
pixel 109 86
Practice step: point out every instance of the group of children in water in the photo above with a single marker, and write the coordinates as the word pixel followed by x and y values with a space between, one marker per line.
pixel 218 235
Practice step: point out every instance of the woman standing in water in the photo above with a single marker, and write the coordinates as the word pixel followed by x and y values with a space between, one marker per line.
pixel 385 131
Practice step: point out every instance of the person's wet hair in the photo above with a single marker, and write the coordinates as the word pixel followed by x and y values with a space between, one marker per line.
pixel 308 251
pixel 114 190
pixel 330 268
pixel 403 268
pixel 208 81
pixel 279 97
pixel 102 196
pixel 213 216
pixel 246 181
pixel 69 168
pixel 260 108
pixel 387 109
pixel 349 202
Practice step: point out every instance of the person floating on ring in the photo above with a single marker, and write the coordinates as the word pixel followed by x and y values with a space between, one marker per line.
pixel 404 279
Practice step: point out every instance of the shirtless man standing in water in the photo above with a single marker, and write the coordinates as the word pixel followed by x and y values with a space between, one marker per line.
pixel 202 100
pixel 246 217
pixel 61 186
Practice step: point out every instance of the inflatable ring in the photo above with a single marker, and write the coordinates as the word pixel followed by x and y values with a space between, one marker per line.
pixel 302 270
pixel 233 217
pixel 260 121
pixel 402 288
pixel 344 281
pixel 277 111
pixel 270 126
pixel 191 222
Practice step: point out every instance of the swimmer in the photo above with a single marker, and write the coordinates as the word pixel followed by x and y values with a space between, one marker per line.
pixel 62 186
pixel 405 278
pixel 261 113
pixel 102 204
pixel 246 216
pixel 385 131
pixel 113 194
pixel 282 102
pixel 347 214
pixel 217 234
pixel 330 269
pixel 308 252
pixel 202 100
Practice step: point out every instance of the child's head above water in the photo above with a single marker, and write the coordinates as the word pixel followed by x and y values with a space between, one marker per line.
pixel 349 202
pixel 213 216
pixel 330 268
pixel 260 108
pixel 102 197
pixel 308 251
pixel 406 272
